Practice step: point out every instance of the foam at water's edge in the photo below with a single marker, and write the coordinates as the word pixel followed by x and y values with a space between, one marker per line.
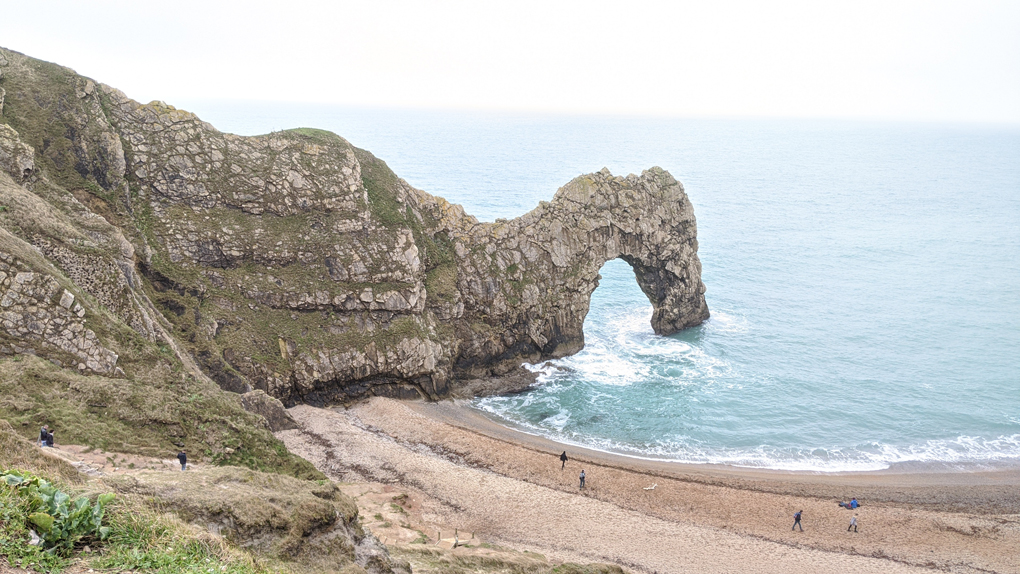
pixel 963 451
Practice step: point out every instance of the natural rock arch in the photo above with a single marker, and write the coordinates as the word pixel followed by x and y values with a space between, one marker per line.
pixel 544 267
pixel 300 265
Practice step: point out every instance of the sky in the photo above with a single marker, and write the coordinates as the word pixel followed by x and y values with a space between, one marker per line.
pixel 914 61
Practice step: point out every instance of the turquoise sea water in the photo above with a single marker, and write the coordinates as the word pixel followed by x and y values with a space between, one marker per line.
pixel 863 279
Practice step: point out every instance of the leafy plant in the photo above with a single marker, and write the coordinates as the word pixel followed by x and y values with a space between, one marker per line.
pixel 60 521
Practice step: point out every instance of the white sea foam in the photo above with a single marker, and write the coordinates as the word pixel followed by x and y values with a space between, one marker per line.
pixel 557 421
pixel 625 351
pixel 726 321
pixel 962 450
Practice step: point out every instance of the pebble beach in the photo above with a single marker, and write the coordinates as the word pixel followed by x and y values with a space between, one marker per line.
pixel 508 488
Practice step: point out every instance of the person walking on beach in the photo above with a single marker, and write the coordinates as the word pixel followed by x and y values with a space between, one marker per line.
pixel 563 459
pixel 181 456
pixel 796 521
pixel 853 524
pixel 582 479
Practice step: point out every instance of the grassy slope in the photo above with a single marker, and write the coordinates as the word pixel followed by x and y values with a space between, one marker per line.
pixel 141 538
pixel 153 413
pixel 158 407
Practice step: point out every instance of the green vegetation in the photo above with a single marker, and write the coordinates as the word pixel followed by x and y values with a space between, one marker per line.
pixel 36 96
pixel 61 522
pixel 134 539
pixel 129 535
pixel 381 185
pixel 317 135
pixel 285 524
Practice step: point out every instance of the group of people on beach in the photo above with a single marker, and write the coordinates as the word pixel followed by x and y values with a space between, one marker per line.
pixel 563 460
pixel 852 505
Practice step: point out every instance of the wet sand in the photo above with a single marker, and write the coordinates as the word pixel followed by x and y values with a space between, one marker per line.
pixel 508 488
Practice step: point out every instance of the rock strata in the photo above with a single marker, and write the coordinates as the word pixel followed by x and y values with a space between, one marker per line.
pixel 296 264
pixel 38 314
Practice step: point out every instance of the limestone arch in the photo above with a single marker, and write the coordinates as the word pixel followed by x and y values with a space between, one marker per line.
pixel 557 251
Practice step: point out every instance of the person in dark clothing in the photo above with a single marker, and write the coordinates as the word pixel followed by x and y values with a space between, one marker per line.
pixel 563 459
pixel 184 460
pixel 44 432
pixel 582 479
pixel 796 521
pixel 49 439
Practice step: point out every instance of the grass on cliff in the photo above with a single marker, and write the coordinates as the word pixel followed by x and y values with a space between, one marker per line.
pixel 36 91
pixel 155 413
pixel 325 137
pixel 140 538
pixel 278 517
pixel 436 249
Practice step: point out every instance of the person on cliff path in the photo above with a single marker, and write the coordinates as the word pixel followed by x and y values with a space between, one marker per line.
pixel 582 479
pixel 184 460
pixel 796 521
pixel 44 433
pixel 853 524
pixel 563 459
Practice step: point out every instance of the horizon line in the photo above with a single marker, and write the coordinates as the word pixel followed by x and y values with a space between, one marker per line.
pixel 607 114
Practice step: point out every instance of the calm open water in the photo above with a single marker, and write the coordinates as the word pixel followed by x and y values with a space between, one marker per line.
pixel 863 279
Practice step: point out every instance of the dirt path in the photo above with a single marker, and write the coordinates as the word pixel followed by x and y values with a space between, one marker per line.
pixel 97 462
pixel 514 495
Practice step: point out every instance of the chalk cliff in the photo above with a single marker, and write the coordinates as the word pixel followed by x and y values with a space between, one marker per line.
pixel 293 262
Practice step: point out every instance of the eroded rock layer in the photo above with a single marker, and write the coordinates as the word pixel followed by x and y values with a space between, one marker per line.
pixel 297 264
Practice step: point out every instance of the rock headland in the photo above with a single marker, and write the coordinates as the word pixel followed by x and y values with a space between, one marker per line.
pixel 295 263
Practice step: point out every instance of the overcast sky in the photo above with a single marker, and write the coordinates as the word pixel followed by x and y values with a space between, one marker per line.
pixel 930 60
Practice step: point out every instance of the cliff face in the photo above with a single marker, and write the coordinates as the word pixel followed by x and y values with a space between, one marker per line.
pixel 300 265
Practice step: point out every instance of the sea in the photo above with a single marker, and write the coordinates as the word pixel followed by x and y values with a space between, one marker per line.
pixel 863 280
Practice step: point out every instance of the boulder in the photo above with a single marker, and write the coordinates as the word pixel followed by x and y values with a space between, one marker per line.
pixel 270 408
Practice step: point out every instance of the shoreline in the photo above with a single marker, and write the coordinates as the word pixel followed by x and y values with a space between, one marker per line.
pixel 479 420
pixel 466 472
pixel 460 414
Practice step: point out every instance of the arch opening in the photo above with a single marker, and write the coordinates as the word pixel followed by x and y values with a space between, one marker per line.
pixel 618 306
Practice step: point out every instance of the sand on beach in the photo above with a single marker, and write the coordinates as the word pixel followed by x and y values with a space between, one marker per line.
pixel 508 488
